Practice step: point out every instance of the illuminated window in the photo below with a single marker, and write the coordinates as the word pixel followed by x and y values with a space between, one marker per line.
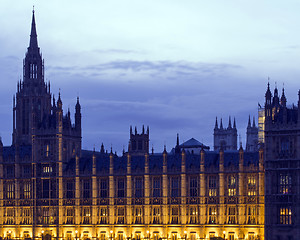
pixel 156 215
pixel 103 215
pixel 251 236
pixel 174 215
pixel 47 169
pixel 26 215
pixel 102 235
pixel 231 185
pixel 10 216
pixel 138 215
pixel 69 235
pixel 156 236
pixel 47 150
pixel 212 234
pixel 193 187
pixel 120 236
pixel 231 236
pixel 156 190
pixel 27 190
pixel 251 215
pixel 231 215
pixel 193 236
pixel 70 215
pixel 212 186
pixel 174 236
pixel 212 215
pixel 285 183
pixel 46 215
pixel 120 215
pixel 10 190
pixel 86 215
pixel 251 186
pixel 285 215
pixel 138 187
pixel 193 214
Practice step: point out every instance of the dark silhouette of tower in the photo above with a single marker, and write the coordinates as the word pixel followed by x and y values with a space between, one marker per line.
pixel 139 143
pixel 225 138
pixel 282 161
pixel 252 136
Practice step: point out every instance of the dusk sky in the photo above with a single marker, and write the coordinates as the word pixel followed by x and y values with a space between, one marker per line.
pixel 172 65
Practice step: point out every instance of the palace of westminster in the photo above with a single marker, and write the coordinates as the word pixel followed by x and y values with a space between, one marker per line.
pixel 51 188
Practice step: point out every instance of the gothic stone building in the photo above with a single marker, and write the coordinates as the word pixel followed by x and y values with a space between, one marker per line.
pixel 282 168
pixel 50 188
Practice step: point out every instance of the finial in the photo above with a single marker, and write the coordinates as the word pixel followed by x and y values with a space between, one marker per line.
pixel 177 141
pixel 229 122
pixel 249 122
pixel 33 8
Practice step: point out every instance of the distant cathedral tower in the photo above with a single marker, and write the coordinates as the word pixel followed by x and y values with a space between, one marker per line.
pixel 225 138
pixel 139 143
pixel 252 136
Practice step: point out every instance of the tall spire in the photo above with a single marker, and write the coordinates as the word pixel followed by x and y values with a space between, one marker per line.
pixel 229 123
pixel 249 122
pixel 216 124
pixel 221 124
pixel 33 44
pixel 234 124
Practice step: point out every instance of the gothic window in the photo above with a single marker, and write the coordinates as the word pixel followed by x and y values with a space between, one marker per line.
pixel 251 236
pixel 138 215
pixel 103 184
pixel 70 189
pixel 46 215
pixel 231 214
pixel 192 236
pixel 285 183
pixel 138 187
pixel 47 168
pixel 212 186
pixel 212 215
pixel 175 190
pixel 10 171
pixel 193 187
pixel 140 145
pixel 10 190
pixel 102 235
pixel 156 236
pixel 120 215
pixel 26 170
pixel 156 215
pixel 70 215
pixel 26 215
pixel 86 188
pixel 251 215
pixel 120 187
pixel 47 150
pixel 175 215
pixel 231 181
pixel 133 145
pixel 46 188
pixel 193 215
pixel 156 187
pixel 103 215
pixel 251 185
pixel 285 215
pixel 86 215
pixel 10 216
pixel 174 236
pixel 26 190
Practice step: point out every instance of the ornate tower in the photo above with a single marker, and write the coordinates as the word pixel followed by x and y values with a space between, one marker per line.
pixel 139 143
pixel 225 138
pixel 282 161
pixel 33 98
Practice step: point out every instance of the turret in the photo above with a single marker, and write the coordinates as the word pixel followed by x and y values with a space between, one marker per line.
pixel 216 124
pixel 229 123
pixel 283 99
